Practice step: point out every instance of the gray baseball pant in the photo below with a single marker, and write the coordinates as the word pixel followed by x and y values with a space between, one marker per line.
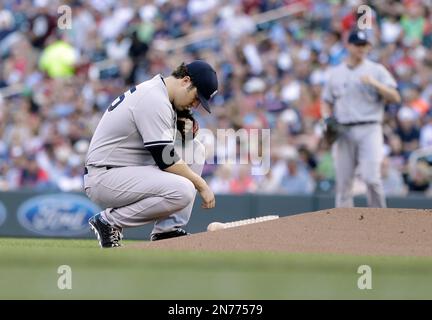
pixel 134 196
pixel 361 146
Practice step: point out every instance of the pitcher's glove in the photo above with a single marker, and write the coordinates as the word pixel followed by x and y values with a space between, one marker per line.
pixel 187 125
pixel 332 130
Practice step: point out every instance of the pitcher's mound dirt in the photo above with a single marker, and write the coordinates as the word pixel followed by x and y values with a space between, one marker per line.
pixel 357 231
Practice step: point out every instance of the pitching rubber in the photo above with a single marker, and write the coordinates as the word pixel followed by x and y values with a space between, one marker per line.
pixel 214 226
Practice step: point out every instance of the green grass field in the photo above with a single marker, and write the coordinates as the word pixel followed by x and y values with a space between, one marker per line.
pixel 28 270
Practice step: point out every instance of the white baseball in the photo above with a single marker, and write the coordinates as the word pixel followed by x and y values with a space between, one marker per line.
pixel 214 226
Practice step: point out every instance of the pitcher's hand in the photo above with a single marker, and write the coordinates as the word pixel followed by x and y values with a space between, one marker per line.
pixel 208 198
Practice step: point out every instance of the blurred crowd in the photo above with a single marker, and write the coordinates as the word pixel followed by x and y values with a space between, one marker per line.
pixel 56 82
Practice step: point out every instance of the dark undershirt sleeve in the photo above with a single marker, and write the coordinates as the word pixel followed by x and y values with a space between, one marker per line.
pixel 164 155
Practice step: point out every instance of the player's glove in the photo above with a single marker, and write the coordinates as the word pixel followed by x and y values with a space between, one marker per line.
pixel 187 125
pixel 332 130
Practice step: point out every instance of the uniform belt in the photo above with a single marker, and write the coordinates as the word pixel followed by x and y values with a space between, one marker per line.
pixel 360 123
pixel 106 167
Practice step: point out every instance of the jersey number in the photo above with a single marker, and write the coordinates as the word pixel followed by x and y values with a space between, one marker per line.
pixel 117 101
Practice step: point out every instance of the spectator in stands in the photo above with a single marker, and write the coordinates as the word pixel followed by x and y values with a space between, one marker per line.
pixel 221 180
pixel 297 179
pixel 393 183
pixel 420 178
pixel 426 132
pixel 32 176
pixel 243 182
pixel 407 130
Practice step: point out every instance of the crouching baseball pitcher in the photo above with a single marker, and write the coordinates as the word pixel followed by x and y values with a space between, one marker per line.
pixel 133 169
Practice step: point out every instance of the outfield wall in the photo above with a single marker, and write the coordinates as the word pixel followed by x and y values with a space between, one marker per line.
pixel 30 214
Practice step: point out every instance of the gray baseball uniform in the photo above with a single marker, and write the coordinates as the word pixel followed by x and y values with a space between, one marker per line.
pixel 122 174
pixel 361 109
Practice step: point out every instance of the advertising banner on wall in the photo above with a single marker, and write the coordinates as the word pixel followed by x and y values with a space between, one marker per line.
pixel 60 215
pixel 31 214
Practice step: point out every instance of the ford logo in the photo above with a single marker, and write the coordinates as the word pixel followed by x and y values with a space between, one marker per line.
pixel 2 214
pixel 57 214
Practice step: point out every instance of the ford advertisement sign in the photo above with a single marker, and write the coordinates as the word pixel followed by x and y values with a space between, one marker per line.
pixel 57 214
pixel 2 214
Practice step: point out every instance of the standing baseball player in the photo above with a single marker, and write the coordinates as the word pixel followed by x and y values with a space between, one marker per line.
pixel 133 168
pixel 355 95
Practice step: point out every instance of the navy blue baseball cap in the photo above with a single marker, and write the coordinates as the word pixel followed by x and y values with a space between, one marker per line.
pixel 358 37
pixel 204 78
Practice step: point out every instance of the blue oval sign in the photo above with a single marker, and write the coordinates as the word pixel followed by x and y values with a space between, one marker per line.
pixel 57 214
pixel 2 214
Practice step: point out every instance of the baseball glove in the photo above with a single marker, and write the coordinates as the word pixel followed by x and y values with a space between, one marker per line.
pixel 187 125
pixel 332 130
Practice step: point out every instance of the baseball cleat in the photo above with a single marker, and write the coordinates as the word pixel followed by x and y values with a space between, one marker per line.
pixel 170 234
pixel 107 235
